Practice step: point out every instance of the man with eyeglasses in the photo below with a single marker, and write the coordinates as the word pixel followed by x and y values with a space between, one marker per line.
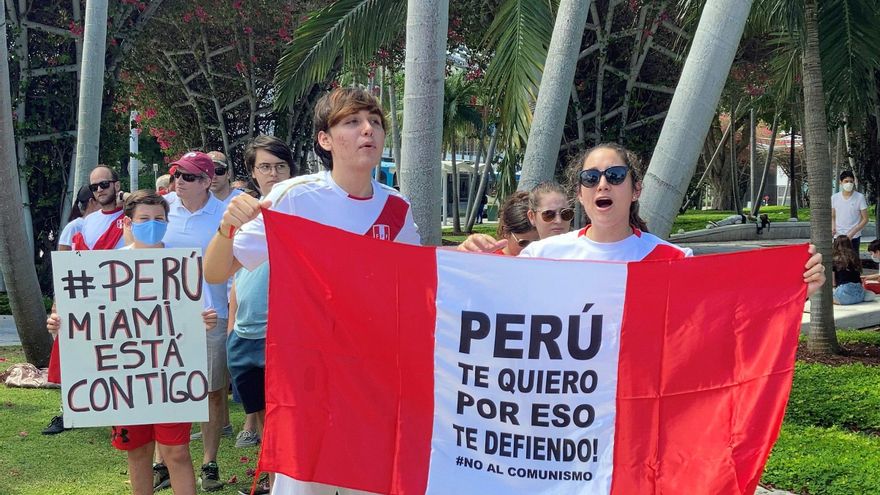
pixel 220 184
pixel 102 229
pixel 192 220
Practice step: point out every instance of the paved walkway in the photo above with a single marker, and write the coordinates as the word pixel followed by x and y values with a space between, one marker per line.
pixel 8 334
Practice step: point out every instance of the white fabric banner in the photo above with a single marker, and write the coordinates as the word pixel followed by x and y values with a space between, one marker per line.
pixel 542 406
pixel 132 339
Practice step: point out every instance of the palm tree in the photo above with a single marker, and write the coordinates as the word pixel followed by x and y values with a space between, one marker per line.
pixel 426 25
pixel 690 114
pixel 545 134
pixel 460 117
pixel 821 337
pixel 91 91
pixel 19 272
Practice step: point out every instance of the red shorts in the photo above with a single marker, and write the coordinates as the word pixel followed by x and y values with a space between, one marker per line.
pixel 55 364
pixel 875 288
pixel 132 437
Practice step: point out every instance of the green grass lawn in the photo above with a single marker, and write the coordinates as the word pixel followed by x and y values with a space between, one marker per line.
pixel 829 442
pixel 79 461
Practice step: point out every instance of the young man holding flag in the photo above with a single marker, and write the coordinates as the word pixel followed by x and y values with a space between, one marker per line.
pixel 349 136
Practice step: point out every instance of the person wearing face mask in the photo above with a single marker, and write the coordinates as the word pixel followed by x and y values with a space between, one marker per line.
pixel 144 224
pixel 872 282
pixel 849 210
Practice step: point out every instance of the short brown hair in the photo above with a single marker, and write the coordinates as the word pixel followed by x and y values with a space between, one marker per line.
pixel 271 145
pixel 337 105
pixel 143 197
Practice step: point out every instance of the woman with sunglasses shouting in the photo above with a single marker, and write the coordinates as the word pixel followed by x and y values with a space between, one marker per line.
pixel 608 187
pixel 514 225
pixel 549 210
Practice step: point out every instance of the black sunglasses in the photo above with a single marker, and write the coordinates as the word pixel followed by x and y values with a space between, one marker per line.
pixel 565 213
pixel 521 242
pixel 220 170
pixel 614 175
pixel 187 177
pixel 104 184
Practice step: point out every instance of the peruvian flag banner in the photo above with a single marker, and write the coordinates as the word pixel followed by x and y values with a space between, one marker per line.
pixel 406 370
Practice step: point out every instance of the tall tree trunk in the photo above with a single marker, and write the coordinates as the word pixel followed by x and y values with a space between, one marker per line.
pixel 484 181
pixel 734 173
pixel 426 26
pixel 91 90
pixel 25 298
pixel 753 157
pixel 395 125
pixel 759 192
pixel 792 180
pixel 821 337
pixel 691 111
pixel 545 136
pixel 472 183
pixel 456 189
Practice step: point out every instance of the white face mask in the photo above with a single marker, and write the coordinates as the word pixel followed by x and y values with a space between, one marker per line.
pixel 875 259
pixel 848 186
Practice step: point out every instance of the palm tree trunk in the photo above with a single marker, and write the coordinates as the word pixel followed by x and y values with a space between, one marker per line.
pixel 426 26
pixel 821 337
pixel 759 192
pixel 484 181
pixel 25 298
pixel 734 175
pixel 456 196
pixel 792 183
pixel 542 151
pixel 472 183
pixel 91 89
pixel 690 113
pixel 753 157
pixel 395 125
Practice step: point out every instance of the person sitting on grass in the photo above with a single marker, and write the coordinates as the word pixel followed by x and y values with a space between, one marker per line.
pixel 847 272
pixel 144 226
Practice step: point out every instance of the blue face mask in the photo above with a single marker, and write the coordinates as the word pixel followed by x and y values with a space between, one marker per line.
pixel 149 232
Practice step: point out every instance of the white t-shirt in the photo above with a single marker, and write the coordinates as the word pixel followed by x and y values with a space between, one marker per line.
pixel 847 212
pixel 72 227
pixel 95 224
pixel 576 245
pixel 384 215
pixel 196 229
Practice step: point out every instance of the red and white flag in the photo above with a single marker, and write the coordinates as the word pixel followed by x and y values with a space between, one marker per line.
pixel 403 369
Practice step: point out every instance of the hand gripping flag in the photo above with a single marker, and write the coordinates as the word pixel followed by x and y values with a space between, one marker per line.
pixel 407 370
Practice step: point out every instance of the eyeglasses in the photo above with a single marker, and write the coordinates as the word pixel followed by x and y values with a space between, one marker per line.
pixel 565 213
pixel 521 242
pixel 220 170
pixel 267 168
pixel 614 175
pixel 187 177
pixel 104 184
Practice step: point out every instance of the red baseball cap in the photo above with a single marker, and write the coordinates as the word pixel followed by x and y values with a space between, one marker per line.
pixel 195 162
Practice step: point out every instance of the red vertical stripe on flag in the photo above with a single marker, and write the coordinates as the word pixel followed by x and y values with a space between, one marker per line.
pixel 700 399
pixel 358 413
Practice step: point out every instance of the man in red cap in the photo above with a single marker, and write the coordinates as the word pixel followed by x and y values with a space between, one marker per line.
pixel 192 221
